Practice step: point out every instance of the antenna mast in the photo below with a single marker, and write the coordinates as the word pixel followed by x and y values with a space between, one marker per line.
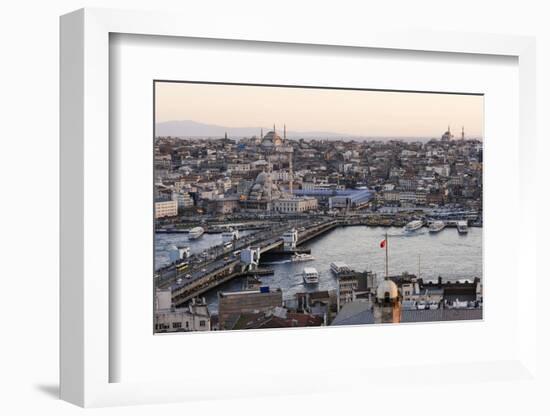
pixel 386 254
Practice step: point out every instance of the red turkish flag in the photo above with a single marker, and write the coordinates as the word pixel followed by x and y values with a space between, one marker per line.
pixel 383 243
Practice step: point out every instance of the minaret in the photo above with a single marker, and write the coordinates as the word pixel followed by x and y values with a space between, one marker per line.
pixel 462 133
pixel 225 137
pixel 274 131
pixel 261 133
pixel 291 171
pixel 269 183
pixel 284 133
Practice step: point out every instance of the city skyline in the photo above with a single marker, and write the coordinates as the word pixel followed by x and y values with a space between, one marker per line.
pixel 360 113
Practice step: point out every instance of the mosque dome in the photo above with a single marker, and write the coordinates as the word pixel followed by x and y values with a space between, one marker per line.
pixel 264 188
pixel 387 289
pixel 272 139
pixel 261 178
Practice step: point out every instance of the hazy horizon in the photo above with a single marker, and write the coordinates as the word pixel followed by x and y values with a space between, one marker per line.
pixel 169 129
pixel 347 113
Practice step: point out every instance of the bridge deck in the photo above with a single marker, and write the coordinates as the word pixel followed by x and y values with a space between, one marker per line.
pixel 220 271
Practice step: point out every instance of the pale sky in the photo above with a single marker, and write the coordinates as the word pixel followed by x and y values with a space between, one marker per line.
pixel 362 113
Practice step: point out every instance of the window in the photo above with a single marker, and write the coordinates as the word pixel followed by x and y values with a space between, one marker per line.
pixel 176 325
pixel 202 323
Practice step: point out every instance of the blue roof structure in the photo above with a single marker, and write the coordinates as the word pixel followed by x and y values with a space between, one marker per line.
pixel 354 194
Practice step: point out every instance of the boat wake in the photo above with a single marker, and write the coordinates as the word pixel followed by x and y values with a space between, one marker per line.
pixel 404 234
pixel 276 262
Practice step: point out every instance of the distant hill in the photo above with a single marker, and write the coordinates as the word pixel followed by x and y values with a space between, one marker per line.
pixel 189 128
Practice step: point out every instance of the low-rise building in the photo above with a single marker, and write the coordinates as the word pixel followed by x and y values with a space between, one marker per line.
pixel 293 205
pixel 350 287
pixel 234 304
pixel 194 317
pixel 183 199
pixel 166 209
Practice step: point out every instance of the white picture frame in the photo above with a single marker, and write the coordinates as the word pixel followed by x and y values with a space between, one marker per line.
pixel 85 211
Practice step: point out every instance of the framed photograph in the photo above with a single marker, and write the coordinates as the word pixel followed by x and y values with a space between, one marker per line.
pixel 238 213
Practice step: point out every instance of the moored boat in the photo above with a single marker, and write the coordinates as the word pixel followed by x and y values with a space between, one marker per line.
pixel 301 257
pixel 462 227
pixel 339 268
pixel 436 226
pixel 195 233
pixel 413 226
pixel 310 275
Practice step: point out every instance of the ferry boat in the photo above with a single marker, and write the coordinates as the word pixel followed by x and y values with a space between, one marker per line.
pixel 301 257
pixel 462 227
pixel 413 226
pixel 310 275
pixel 436 226
pixel 339 268
pixel 230 235
pixel 195 233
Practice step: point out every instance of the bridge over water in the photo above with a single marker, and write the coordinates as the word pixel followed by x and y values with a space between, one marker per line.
pixel 223 269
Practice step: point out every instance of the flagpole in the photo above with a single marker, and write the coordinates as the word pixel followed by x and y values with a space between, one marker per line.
pixel 386 254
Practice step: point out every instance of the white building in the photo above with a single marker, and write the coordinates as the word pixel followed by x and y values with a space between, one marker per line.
pixel 238 167
pixel 323 185
pixel 166 209
pixel 442 170
pixel 407 197
pixel 195 317
pixel 250 257
pixel 292 205
pixel 290 239
pixel 391 196
pixel 176 254
pixel 280 175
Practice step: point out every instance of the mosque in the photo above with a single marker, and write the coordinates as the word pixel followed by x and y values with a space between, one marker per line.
pixel 447 136
pixel 271 141
pixel 263 193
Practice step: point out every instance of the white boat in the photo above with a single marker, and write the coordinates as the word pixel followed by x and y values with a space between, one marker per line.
pixel 310 275
pixel 462 227
pixel 421 305
pixel 301 257
pixel 339 268
pixel 195 233
pixel 436 226
pixel 413 226
pixel 230 235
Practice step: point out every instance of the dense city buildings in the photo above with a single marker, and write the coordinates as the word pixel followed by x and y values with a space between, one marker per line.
pixel 272 173
pixel 283 191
